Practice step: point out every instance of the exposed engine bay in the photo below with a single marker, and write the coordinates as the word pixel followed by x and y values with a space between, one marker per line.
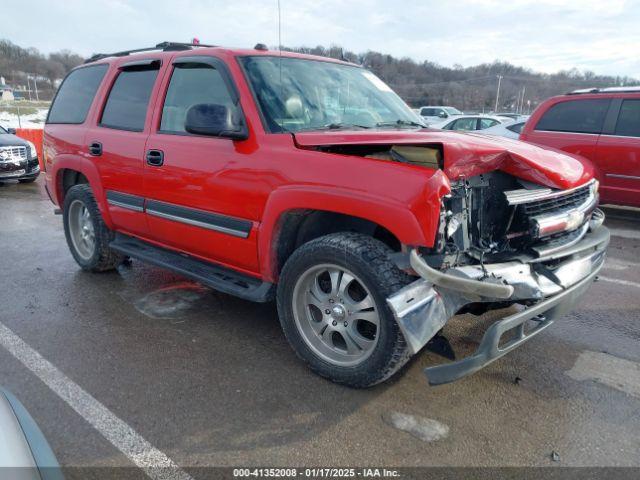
pixel 492 217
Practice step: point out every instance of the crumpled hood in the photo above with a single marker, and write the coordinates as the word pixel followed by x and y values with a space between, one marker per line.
pixel 470 154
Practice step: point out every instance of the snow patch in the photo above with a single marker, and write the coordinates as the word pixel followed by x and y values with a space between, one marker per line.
pixel 426 429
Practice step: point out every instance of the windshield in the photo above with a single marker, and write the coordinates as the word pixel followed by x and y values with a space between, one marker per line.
pixel 453 111
pixel 2 130
pixel 311 95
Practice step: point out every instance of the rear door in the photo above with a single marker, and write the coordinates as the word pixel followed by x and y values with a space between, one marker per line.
pixel 618 154
pixel 198 188
pixel 572 125
pixel 117 140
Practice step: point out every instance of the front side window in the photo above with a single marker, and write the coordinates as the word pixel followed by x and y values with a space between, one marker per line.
pixel 192 84
pixel 75 95
pixel 126 107
pixel 299 94
pixel 464 124
pixel 629 119
pixel 576 116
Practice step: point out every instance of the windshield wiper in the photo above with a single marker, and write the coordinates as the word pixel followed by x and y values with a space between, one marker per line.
pixel 400 123
pixel 334 126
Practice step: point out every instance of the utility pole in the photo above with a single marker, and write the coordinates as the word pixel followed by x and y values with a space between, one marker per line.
pixel 524 89
pixel 498 93
pixel 35 85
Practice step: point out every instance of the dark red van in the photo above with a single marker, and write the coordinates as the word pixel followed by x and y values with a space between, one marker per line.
pixel 602 125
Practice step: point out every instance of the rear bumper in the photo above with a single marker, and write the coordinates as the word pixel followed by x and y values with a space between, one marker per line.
pixel 424 307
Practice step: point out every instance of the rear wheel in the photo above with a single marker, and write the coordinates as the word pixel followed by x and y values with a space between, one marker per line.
pixel 332 306
pixel 87 235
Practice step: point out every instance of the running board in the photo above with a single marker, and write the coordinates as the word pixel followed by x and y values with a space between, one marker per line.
pixel 215 276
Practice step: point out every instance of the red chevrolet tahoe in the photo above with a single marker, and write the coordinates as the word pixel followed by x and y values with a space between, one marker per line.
pixel 602 125
pixel 273 175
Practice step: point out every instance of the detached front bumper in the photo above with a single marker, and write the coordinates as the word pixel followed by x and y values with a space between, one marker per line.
pixel 548 285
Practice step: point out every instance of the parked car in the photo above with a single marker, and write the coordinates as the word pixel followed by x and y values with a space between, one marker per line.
pixel 471 122
pixel 438 113
pixel 602 125
pixel 18 158
pixel 24 451
pixel 250 172
pixel 512 115
pixel 509 130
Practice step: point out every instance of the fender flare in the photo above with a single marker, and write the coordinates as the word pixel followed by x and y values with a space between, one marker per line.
pixel 392 215
pixel 90 171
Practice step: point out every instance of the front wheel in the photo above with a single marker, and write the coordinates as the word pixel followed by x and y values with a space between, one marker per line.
pixel 332 307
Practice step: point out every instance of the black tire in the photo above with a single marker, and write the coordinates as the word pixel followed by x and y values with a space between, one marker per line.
pixel 103 257
pixel 27 180
pixel 369 260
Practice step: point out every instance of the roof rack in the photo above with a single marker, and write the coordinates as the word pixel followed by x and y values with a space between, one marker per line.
pixel 605 90
pixel 164 46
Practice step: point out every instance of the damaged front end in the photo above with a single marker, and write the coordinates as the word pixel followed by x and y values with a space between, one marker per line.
pixel 501 242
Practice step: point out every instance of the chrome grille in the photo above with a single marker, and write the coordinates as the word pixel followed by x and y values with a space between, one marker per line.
pixel 552 215
pixel 12 154
pixel 559 203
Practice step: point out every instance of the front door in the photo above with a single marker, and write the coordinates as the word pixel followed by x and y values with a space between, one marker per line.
pixel 196 187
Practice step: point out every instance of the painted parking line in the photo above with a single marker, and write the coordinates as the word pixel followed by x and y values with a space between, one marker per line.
pixel 615 264
pixel 614 372
pixel 144 455
pixel 625 233
pixel 626 283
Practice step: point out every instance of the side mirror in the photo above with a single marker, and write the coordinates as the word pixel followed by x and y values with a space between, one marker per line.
pixel 12 131
pixel 443 115
pixel 214 120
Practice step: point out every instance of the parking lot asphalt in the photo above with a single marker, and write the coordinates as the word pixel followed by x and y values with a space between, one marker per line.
pixel 209 379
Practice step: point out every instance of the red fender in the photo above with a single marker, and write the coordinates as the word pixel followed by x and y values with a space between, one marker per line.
pixel 399 219
pixel 89 170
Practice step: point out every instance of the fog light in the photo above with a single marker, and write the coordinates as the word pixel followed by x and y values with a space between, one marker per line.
pixel 596 220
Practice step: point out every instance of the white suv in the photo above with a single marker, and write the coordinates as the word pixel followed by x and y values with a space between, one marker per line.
pixel 432 114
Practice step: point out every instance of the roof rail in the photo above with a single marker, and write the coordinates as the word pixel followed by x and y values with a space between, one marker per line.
pixel 605 90
pixel 164 46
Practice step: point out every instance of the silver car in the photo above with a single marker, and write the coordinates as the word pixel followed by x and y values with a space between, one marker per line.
pixel 24 452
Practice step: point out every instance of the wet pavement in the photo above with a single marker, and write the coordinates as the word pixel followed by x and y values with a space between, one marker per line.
pixel 209 379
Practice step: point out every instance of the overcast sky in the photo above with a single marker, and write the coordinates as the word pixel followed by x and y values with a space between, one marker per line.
pixel 545 35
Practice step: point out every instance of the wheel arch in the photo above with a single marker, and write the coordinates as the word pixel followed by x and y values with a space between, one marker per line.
pixel 71 170
pixel 294 216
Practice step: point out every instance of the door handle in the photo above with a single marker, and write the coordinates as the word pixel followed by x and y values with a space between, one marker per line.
pixel 155 158
pixel 95 149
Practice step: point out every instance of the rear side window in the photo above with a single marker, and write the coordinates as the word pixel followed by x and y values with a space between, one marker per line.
pixel 75 95
pixel 629 119
pixel 578 116
pixel 192 84
pixel 516 127
pixel 430 112
pixel 126 107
